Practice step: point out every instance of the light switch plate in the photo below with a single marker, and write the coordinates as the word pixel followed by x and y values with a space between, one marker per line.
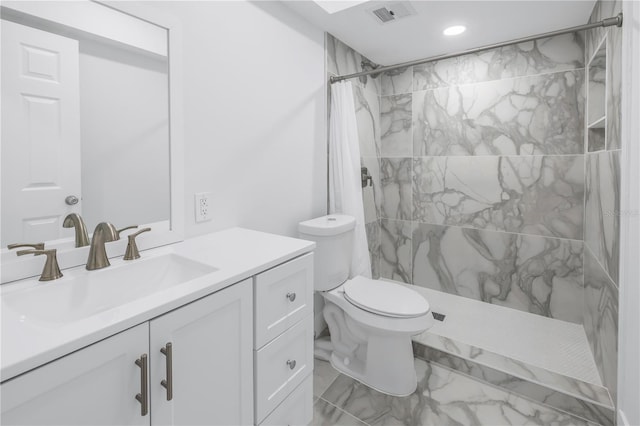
pixel 203 206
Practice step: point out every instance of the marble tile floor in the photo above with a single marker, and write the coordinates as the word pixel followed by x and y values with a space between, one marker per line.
pixel 443 397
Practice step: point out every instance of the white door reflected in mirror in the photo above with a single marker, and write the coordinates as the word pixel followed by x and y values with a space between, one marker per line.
pixel 40 133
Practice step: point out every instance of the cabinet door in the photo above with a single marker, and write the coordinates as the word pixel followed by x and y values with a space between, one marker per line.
pixel 96 385
pixel 211 361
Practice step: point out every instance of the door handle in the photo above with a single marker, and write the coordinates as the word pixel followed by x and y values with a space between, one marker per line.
pixel 143 396
pixel 71 200
pixel 168 382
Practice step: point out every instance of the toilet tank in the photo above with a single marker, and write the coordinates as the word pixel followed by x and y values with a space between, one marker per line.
pixel 333 235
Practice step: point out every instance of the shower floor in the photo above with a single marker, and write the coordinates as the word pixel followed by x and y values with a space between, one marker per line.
pixel 553 345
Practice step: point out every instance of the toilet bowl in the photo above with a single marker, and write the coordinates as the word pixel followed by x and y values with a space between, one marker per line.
pixel 370 321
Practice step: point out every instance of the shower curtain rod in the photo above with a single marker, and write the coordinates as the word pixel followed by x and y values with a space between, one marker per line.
pixel 616 20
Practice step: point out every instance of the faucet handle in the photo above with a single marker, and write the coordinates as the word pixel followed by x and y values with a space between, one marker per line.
pixel 36 246
pixel 51 270
pixel 132 248
pixel 125 229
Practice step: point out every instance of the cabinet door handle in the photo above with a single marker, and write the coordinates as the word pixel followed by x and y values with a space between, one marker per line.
pixel 143 396
pixel 168 382
pixel 291 363
pixel 291 296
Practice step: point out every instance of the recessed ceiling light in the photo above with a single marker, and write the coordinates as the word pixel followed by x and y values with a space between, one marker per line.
pixel 454 30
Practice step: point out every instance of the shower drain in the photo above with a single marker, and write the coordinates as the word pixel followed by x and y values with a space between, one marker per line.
pixel 438 316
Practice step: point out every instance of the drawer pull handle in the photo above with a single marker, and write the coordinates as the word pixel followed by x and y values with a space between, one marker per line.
pixel 168 382
pixel 291 297
pixel 143 396
pixel 291 363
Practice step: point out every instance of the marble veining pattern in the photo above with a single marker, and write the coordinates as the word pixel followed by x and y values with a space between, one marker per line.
pixel 473 358
pixel 530 273
pixel 536 57
pixel 601 319
pixel 602 220
pixel 367 105
pixel 396 82
pixel 525 115
pixel 373 242
pixel 533 390
pixel 395 125
pixel 443 397
pixel 540 195
pixel 395 250
pixel 396 184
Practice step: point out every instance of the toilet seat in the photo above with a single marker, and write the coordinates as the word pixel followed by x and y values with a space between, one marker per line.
pixel 384 298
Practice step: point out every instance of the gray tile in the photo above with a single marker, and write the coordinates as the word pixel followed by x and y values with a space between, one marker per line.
pixel 373 241
pixel 323 375
pixel 395 181
pixel 537 57
pixel 538 391
pixel 372 195
pixel 395 126
pixel 602 220
pixel 325 414
pixel 525 115
pixel 529 273
pixel 540 195
pixel 443 397
pixel 395 250
pixel 601 320
pixel 367 104
pixel 397 81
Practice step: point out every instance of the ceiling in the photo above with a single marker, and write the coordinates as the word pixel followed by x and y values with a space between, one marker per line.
pixel 420 36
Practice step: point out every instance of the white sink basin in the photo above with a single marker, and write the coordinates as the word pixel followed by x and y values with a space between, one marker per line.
pixel 81 293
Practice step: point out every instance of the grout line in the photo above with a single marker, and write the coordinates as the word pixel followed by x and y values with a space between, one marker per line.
pixel 345 412
pixel 482 229
pixel 450 86
pixel 606 272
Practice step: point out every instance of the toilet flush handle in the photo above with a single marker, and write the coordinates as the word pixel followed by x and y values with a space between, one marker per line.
pixel 291 297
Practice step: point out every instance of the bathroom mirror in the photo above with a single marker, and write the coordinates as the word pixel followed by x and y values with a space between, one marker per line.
pixel 91 124
pixel 596 98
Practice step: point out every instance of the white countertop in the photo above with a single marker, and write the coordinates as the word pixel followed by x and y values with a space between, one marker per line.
pixel 236 253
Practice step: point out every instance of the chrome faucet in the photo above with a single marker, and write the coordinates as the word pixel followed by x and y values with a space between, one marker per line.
pixel 73 220
pixel 104 233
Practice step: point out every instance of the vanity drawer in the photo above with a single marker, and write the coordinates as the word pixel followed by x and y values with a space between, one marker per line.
pixel 282 365
pixel 296 409
pixel 283 296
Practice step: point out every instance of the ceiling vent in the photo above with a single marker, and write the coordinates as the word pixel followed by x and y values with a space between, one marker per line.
pixel 392 11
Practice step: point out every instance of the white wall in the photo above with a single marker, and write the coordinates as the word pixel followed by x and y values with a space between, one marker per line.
pixel 254 114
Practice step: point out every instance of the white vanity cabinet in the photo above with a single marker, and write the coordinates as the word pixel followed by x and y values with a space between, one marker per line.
pixel 206 360
pixel 283 347
pixel 211 372
pixel 95 385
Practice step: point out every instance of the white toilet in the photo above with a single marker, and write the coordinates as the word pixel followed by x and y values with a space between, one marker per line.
pixel 370 321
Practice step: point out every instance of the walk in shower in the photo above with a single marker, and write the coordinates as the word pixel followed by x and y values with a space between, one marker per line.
pixel 495 187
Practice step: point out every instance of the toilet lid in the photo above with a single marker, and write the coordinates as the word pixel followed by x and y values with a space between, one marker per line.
pixel 385 298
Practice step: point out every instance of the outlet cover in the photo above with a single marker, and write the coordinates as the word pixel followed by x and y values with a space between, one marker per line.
pixel 203 206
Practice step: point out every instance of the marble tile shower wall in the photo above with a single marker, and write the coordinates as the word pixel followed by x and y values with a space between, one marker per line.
pixel 342 59
pixel 602 205
pixel 482 176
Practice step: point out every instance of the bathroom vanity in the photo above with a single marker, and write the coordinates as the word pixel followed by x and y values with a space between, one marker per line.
pixel 216 329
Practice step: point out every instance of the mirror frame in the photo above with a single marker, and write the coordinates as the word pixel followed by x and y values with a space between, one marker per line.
pixel 15 268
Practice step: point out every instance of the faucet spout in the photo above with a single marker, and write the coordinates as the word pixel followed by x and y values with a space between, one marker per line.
pixel 74 220
pixel 104 233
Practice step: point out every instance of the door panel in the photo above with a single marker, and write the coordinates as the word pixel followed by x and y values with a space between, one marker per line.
pixel 95 385
pixel 211 360
pixel 40 133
